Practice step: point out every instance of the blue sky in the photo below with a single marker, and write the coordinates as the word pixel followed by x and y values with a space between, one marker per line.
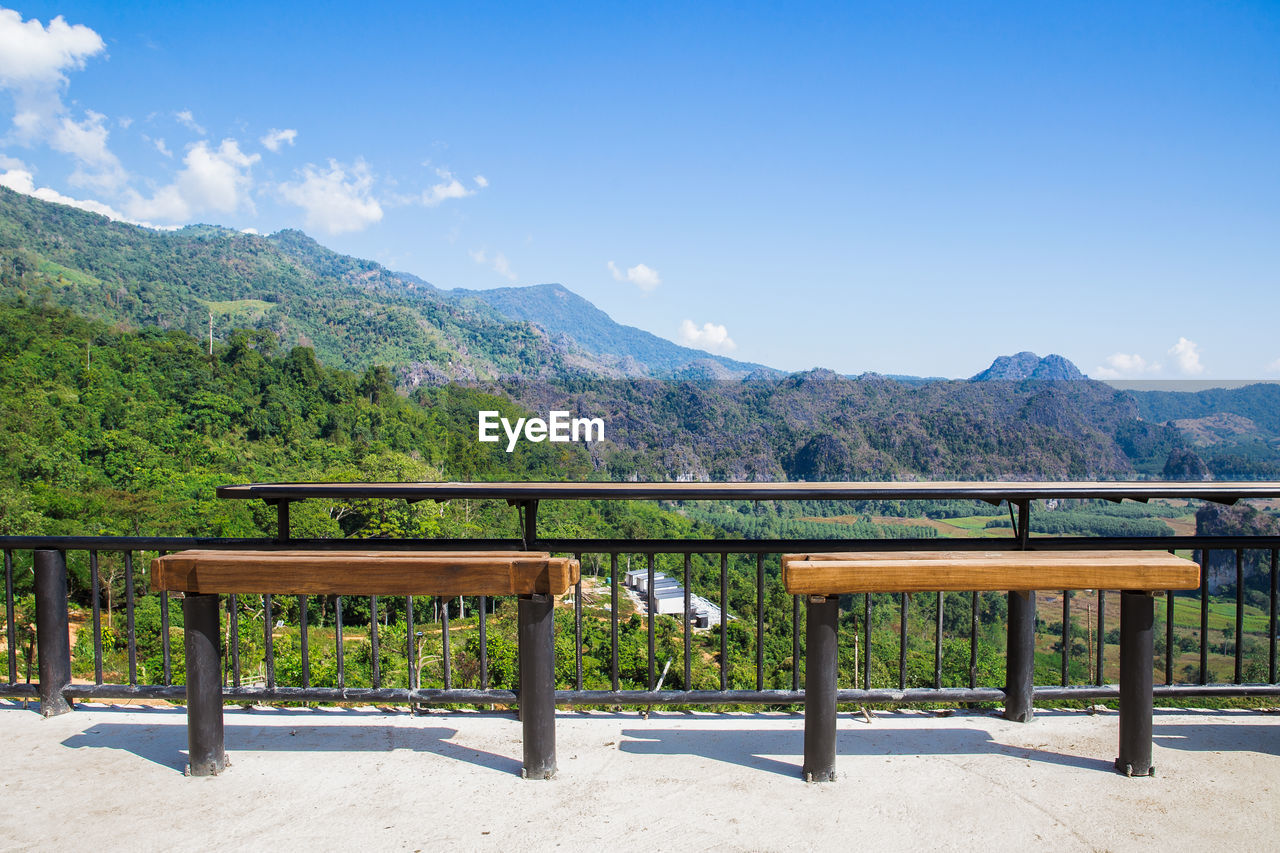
pixel 899 187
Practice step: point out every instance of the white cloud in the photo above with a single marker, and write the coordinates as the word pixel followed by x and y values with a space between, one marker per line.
pixel 276 138
pixel 161 147
pixel 21 180
pixel 336 200
pixel 711 337
pixel 34 55
pixel 34 61
pixel 125 122
pixel 498 263
pixel 1126 365
pixel 644 277
pixel 188 120
pixel 212 179
pixel 450 188
pixel 1187 354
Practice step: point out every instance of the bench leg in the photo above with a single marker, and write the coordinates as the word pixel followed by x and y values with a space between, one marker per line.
pixel 1137 613
pixel 204 685
pixel 537 685
pixel 820 689
pixel 1020 657
pixel 53 641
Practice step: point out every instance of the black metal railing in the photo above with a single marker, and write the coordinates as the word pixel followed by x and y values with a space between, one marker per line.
pixel 119 672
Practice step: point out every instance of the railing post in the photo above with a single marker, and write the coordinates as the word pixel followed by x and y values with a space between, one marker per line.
pixel 53 637
pixel 820 688
pixel 204 685
pixel 537 685
pixel 1020 657
pixel 1137 613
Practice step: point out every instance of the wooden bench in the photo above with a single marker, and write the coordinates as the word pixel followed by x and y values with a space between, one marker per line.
pixel 822 578
pixel 202 575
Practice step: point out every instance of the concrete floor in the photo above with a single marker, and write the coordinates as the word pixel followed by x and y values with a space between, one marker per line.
pixel 343 779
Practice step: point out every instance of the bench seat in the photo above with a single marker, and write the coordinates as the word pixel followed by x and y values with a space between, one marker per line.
pixel 841 573
pixel 447 573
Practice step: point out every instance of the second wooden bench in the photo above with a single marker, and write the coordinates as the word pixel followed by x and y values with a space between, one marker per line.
pixel 203 575
pixel 823 577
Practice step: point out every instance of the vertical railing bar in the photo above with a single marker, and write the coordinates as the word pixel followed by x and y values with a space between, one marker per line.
pixel 444 643
pixel 233 605
pixel 304 638
pixel 1204 618
pixel 95 584
pixel 484 642
pixel 11 640
pixel 338 640
pixel 866 641
pixel 1168 633
pixel 268 627
pixel 1239 673
pixel 411 645
pixel 1102 636
pixel 973 640
pixel 128 605
pixel 795 643
pixel 937 643
pixel 373 640
pixel 688 636
pixel 652 600
pixel 760 621
pixel 1275 585
pixel 724 621
pixel 164 638
pixel 1066 634
pixel 164 630
pixel 577 625
pixel 613 620
pixel 902 642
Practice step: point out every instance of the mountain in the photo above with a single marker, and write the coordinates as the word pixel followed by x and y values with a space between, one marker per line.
pixel 633 351
pixel 352 312
pixel 1028 365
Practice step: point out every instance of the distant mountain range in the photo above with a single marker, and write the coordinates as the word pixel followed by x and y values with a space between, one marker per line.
pixel 634 352
pixel 1023 416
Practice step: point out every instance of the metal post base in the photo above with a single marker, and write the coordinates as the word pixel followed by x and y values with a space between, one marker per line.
pixel 53 639
pixel 204 686
pixel 537 686
pixel 820 689
pixel 1137 614
pixel 1020 657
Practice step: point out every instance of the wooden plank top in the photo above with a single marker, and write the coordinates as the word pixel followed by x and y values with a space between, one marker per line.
pixel 963 571
pixel 994 491
pixel 365 572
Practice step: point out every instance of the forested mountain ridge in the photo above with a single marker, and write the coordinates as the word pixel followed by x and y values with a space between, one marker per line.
pixel 352 312
pixel 820 426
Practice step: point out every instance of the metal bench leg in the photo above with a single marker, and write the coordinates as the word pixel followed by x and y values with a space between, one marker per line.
pixel 1020 657
pixel 1137 613
pixel 820 689
pixel 204 685
pixel 537 685
pixel 53 641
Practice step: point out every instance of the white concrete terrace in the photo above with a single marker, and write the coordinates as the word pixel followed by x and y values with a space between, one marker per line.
pixel 364 778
